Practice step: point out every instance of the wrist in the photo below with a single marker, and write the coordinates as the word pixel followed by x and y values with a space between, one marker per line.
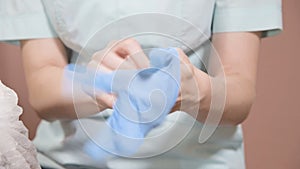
pixel 200 99
pixel 189 96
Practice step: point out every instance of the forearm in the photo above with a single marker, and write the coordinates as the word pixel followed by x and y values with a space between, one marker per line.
pixel 46 95
pixel 239 97
pixel 44 61
pixel 233 69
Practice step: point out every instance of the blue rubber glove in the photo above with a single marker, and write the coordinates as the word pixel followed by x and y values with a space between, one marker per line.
pixel 144 98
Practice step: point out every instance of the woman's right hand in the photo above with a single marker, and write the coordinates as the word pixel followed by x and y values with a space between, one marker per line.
pixel 118 55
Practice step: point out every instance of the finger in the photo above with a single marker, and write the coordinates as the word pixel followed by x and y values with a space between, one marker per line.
pixel 183 57
pixel 105 100
pixel 108 59
pixel 140 60
pixel 113 61
pixel 132 50
pixel 127 47
pixel 99 55
pixel 104 69
pixel 95 66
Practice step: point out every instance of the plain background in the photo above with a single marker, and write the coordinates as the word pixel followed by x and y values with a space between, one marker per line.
pixel 272 131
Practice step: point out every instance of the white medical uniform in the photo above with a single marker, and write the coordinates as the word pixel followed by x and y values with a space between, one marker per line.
pixel 90 24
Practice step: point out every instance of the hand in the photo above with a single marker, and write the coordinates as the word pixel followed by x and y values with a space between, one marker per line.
pixel 125 54
pixel 189 96
pixel 140 107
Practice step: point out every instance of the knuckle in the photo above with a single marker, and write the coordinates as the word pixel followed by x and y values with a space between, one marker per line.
pixel 179 50
pixel 97 55
pixel 130 41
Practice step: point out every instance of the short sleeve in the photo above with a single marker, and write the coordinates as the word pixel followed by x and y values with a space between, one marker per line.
pixel 248 15
pixel 23 19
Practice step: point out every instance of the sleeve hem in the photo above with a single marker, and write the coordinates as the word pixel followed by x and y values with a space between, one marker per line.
pixel 29 26
pixel 265 19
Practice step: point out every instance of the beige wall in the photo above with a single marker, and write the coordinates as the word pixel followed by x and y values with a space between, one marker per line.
pixel 272 132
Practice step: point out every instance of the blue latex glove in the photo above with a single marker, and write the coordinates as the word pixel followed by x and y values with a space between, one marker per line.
pixel 144 98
